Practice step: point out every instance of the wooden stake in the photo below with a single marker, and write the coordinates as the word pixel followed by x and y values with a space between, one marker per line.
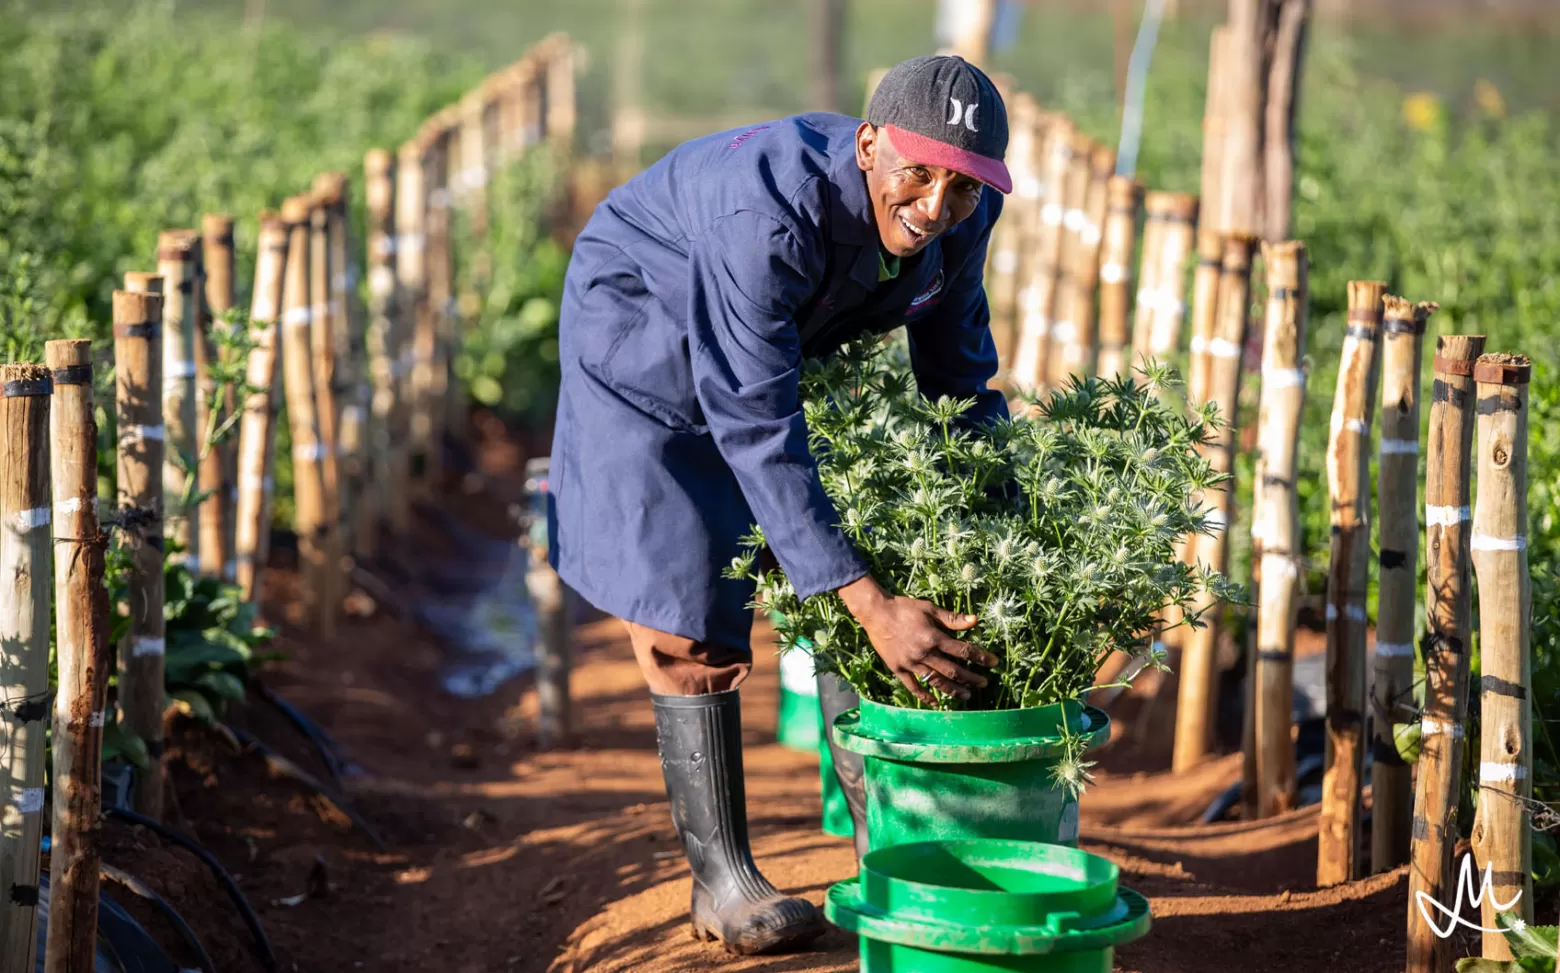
pixel 1348 470
pixel 1147 298
pixel 1397 500
pixel 25 564
pixel 1125 199
pixel 469 182
pixel 177 260
pixel 1502 830
pixel 1080 350
pixel 218 470
pixel 313 520
pixel 1213 132
pixel 1009 237
pixel 433 339
pixel 257 432
pixel 1241 104
pixel 1449 617
pixel 559 105
pixel 1283 84
pixel 1199 677
pixel 1038 283
pixel 81 624
pixel 138 403
pixel 323 337
pixel 1075 216
pixel 382 345
pixel 411 222
pixel 347 388
pixel 1178 222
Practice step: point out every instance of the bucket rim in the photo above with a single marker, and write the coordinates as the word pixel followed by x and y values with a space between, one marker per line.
pixel 853 736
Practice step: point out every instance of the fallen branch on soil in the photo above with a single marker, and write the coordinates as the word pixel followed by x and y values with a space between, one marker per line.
pixel 140 888
pixel 284 767
pixel 252 921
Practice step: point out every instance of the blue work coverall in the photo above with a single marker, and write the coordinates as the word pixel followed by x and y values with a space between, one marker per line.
pixel 692 296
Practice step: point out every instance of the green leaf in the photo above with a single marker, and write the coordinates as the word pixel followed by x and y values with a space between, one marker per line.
pixel 196 703
pixel 1406 737
pixel 1527 940
pixel 119 742
pixel 224 684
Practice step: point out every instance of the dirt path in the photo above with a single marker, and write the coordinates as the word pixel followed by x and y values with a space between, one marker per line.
pixel 501 858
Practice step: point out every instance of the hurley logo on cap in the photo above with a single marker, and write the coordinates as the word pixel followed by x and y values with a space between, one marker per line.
pixel 943 111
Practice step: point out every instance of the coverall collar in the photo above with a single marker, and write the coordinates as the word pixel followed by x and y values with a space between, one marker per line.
pixel 850 211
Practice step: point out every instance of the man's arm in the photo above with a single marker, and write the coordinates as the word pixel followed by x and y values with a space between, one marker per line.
pixel 951 348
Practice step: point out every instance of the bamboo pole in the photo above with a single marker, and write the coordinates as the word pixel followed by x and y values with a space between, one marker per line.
pixel 1125 199
pixel 1178 221
pixel 1038 281
pixel 469 182
pixel 1270 785
pixel 1205 311
pixel 257 429
pixel 1283 85
pixel 1080 348
pixel 411 221
pixel 1241 105
pixel 383 348
pixel 1348 471
pixel 81 624
pixel 313 523
pixel 1213 131
pixel 219 472
pixel 1075 216
pixel 1449 618
pixel 177 259
pixel 1397 500
pixel 25 559
pixel 1199 677
pixel 330 190
pixel 1148 274
pixel 1009 236
pixel 1502 831
pixel 323 342
pixel 434 347
pixel 138 404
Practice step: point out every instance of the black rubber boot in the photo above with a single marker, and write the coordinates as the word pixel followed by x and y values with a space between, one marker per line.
pixel 700 739
pixel 835 697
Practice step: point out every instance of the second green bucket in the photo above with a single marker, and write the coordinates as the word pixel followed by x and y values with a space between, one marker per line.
pixel 941 775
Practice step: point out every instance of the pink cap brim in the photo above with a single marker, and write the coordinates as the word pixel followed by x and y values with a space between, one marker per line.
pixel 992 172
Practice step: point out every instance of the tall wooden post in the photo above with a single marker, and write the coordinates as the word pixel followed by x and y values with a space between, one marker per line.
pixel 1148 274
pixel 1449 623
pixel 1178 223
pixel 1283 86
pixel 1205 310
pixel 177 260
pixel 138 403
pixel 1502 831
pixel 972 30
pixel 1199 676
pixel 1348 471
pixel 1038 282
pixel 25 560
pixel 324 331
pixel 411 270
pixel 219 470
pixel 1212 217
pixel 559 107
pixel 381 342
pixel 257 430
pixel 1397 502
pixel 1075 216
pixel 313 522
pixel 1276 524
pixel 469 182
pixel 330 190
pixel 1080 347
pixel 1241 105
pixel 441 307
pixel 81 624
pixel 1125 199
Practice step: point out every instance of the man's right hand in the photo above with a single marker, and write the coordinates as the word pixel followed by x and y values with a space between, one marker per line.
pixel 912 637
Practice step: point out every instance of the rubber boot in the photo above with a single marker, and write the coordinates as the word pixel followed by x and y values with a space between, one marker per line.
pixel 835 697
pixel 700 739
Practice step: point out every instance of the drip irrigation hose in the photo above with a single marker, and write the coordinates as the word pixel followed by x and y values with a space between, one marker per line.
pixel 326 746
pixel 262 943
pixel 287 768
pixel 140 888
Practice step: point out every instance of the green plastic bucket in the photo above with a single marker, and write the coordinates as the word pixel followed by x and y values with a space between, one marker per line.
pixel 800 718
pixel 836 812
pixel 985 904
pixel 934 775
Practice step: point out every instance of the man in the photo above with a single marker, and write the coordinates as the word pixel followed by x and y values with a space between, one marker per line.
pixel 692 296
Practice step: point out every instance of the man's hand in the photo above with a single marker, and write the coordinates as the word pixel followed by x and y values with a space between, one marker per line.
pixel 911 635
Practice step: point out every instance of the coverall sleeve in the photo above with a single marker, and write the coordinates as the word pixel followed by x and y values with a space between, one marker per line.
pixel 951 348
pixel 750 274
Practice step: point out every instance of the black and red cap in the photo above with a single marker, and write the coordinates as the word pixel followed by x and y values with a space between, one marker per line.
pixel 941 110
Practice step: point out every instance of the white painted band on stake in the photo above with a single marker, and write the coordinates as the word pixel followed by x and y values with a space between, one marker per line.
pixel 381 281
pixel 310 451
pixel 33 519
pixel 1089 234
pixel 1484 542
pixel 1032 300
pixel 1030 187
pixel 1065 331
pixel 1284 378
pixel 351 415
pixel 1279 567
pixel 1113 273
pixel 1051 214
pixel 1199 344
pixel 181 558
pixel 298 315
pixel 1430 727
pixel 1037 324
pixel 476 177
pixel 96 719
pixel 1221 348
pixel 74 505
pixel 1395 650
pixel 28 800
pixel 410 243
pixel 142 645
pixel 263 311
pixel 1075 220
pixel 321 311
pixel 1005 262
pixel 1445 516
pixel 384 246
pixel 1355 613
pixel 142 433
pixel 1400 447
pixel 1341 424
pixel 178 371
pixel 1491 772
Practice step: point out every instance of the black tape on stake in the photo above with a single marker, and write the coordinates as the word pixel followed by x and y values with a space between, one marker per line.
pixel 1392 559
pixel 143 330
pixel 1360 332
pixel 1273 655
pixel 73 375
pixel 1502 687
pixel 29 386
pixel 24 895
pixel 1402 326
pixel 1383 752
pixel 1283 293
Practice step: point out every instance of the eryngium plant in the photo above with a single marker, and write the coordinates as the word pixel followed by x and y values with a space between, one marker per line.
pixel 1059 531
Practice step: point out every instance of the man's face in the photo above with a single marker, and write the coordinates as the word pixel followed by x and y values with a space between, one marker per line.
pixel 912 203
